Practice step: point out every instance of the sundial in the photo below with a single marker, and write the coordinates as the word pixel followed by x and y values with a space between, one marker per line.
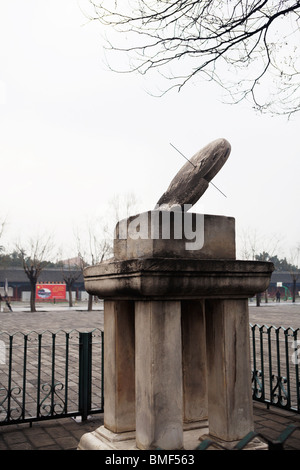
pixel 193 179
pixel 160 290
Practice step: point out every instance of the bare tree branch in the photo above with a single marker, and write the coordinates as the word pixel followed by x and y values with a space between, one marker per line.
pixel 71 272
pixel 242 45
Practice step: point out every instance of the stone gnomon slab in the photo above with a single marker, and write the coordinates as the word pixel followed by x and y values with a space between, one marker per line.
pixel 176 349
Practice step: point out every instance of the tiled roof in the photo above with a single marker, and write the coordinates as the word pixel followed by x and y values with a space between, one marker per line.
pixel 283 276
pixel 47 275
pixel 56 275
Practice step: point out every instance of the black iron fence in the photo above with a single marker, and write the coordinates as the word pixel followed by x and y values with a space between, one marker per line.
pixel 50 375
pixel 275 355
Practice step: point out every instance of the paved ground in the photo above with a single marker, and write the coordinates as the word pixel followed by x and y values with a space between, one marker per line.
pixel 57 434
pixel 51 318
pixel 64 434
pixel 284 314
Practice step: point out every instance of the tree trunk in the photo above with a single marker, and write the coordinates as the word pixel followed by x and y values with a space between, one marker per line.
pixel 32 295
pixel 90 303
pixel 70 296
pixel 258 297
pixel 294 288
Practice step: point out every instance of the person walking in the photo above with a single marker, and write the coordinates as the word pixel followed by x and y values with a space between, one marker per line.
pixel 278 295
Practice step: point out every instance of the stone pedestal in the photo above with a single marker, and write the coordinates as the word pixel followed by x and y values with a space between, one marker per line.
pixel 119 346
pixel 176 346
pixel 194 361
pixel 228 369
pixel 158 375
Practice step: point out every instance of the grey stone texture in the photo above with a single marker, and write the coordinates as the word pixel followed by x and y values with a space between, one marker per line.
pixel 171 278
pixel 198 236
pixel 192 180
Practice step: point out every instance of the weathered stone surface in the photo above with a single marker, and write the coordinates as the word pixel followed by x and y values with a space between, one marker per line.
pixel 159 278
pixel 158 375
pixel 194 361
pixel 199 236
pixel 193 178
pixel 119 383
pixel 229 379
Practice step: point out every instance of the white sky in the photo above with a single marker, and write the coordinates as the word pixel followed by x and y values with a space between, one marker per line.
pixel 73 135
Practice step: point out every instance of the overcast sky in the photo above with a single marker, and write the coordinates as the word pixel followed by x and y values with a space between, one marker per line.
pixel 74 135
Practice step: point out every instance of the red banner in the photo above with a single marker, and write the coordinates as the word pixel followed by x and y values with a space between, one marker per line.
pixel 50 291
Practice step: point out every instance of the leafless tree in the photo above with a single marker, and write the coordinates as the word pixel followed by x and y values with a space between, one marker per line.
pixel 121 206
pixel 95 248
pixel 71 272
pixel 2 226
pixel 34 256
pixel 96 243
pixel 295 269
pixel 252 243
pixel 250 48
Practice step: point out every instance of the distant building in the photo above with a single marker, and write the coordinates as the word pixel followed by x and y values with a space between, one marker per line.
pixel 19 285
pixel 283 281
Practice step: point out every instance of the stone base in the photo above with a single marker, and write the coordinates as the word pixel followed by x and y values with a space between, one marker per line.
pixel 103 439
pixel 193 435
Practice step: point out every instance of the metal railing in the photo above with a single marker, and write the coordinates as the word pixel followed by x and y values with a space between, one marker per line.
pixel 275 368
pixel 50 375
